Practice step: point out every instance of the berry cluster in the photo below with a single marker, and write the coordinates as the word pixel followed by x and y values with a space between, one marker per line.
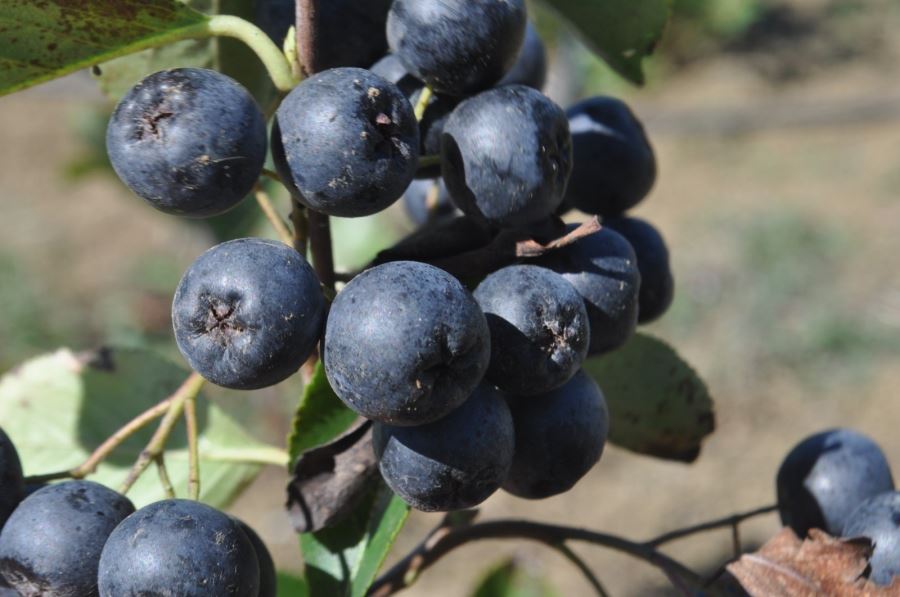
pixel 79 538
pixel 839 481
pixel 469 392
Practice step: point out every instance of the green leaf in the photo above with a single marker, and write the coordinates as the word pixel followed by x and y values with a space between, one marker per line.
pixel 658 405
pixel 623 32
pixel 58 408
pixel 509 579
pixel 291 586
pixel 320 416
pixel 228 56
pixel 344 560
pixel 43 40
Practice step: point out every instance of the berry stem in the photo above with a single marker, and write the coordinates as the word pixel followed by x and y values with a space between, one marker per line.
pixel 265 455
pixel 164 479
pixel 426 161
pixel 188 390
pixel 271 56
pixel 90 465
pixel 190 420
pixel 422 104
pixel 268 208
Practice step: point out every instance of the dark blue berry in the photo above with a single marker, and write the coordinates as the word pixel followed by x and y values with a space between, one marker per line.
pixel 604 270
pixel 405 343
pixel 178 547
pixel 530 67
pixel 560 436
pixel 826 476
pixel 51 545
pixel 507 156
pixel 12 484
pixel 248 313
pixel 457 47
pixel 878 518
pixel 348 141
pixel 451 464
pixel 189 141
pixel 615 166
pixel 539 329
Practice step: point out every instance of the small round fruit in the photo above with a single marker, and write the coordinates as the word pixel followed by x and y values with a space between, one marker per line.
pixel 268 577
pixel 539 329
pixel 826 476
pixel 507 155
pixel 560 436
pixel 248 313
pixel 178 547
pixel 878 518
pixel 405 343
pixel 530 67
pixel 12 484
pixel 451 464
pixel 348 141
pixel 604 270
pixel 457 47
pixel 51 545
pixel 657 283
pixel 615 167
pixel 189 141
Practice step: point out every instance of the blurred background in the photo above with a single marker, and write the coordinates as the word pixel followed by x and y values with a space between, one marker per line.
pixel 777 130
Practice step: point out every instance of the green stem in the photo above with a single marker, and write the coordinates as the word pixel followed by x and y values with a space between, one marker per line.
pixel 422 104
pixel 190 419
pixel 188 390
pixel 426 161
pixel 164 479
pixel 269 455
pixel 271 56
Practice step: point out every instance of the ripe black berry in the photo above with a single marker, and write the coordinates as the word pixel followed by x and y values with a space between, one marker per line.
pixel 190 141
pixel 451 464
pixel 348 141
pixel 248 313
pixel 405 343
pixel 51 544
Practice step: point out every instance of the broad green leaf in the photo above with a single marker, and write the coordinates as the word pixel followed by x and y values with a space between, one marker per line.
pixel 342 561
pixel 623 32
pixel 42 40
pixel 291 586
pixel 320 416
pixel 509 579
pixel 658 405
pixel 228 56
pixel 58 408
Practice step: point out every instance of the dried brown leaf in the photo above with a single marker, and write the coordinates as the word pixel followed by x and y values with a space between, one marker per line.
pixel 820 565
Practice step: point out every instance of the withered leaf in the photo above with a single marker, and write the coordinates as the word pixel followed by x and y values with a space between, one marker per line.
pixel 820 565
pixel 329 481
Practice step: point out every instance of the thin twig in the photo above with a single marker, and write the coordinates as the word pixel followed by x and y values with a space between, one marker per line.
pixel 281 227
pixel 90 465
pixel 589 575
pixel 422 105
pixel 190 419
pixel 191 387
pixel 727 521
pixel 272 174
pixel 164 478
pixel 438 545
